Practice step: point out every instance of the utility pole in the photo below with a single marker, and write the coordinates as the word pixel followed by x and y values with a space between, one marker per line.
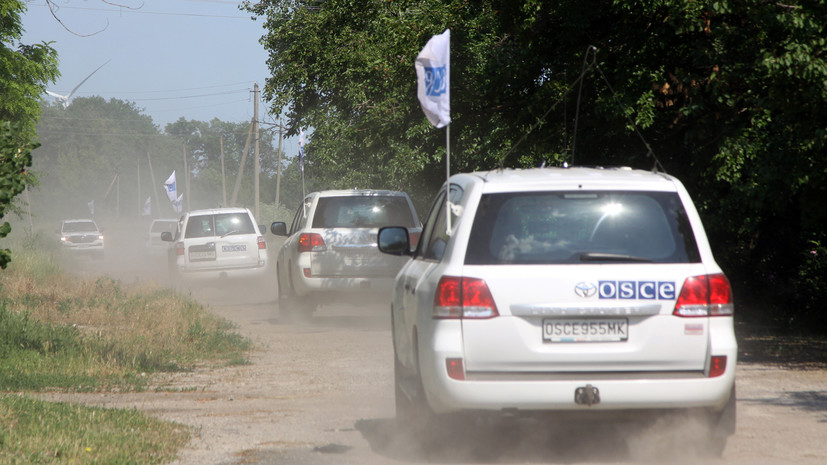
pixel 241 166
pixel 278 168
pixel 186 176
pixel 223 181
pixel 258 162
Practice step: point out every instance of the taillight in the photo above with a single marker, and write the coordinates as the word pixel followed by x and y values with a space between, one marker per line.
pixel 705 295
pixel 311 242
pixel 179 248
pixel 463 298
pixel 261 244
pixel 454 368
pixel 717 365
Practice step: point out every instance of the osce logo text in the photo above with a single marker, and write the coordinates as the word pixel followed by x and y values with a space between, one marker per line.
pixel 645 290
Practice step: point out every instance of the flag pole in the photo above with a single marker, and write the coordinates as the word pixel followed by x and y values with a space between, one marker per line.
pixel 448 178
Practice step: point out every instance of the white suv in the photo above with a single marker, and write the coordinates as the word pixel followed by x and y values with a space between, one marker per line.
pixel 567 290
pixel 82 236
pixel 216 244
pixel 330 252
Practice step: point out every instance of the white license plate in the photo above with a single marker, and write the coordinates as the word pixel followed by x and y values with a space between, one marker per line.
pixel 234 248
pixel 205 255
pixel 586 330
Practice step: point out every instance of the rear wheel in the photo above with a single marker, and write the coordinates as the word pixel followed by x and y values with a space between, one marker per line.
pixel 291 306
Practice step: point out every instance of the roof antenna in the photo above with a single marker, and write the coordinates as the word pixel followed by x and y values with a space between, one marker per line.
pixel 593 49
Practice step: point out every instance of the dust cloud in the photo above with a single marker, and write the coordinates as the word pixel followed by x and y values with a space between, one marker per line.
pixel 128 259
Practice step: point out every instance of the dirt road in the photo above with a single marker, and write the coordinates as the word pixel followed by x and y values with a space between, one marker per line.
pixel 322 393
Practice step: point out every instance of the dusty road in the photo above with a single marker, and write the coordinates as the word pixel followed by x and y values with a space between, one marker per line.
pixel 322 393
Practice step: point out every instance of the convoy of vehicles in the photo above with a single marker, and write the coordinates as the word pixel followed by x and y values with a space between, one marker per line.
pixel 566 293
pixel 572 292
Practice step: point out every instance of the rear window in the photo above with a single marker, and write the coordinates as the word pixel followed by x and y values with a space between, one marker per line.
pixel 363 212
pixel 223 224
pixel 581 227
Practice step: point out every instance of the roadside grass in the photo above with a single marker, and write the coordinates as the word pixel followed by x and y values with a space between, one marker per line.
pixel 63 333
pixel 61 433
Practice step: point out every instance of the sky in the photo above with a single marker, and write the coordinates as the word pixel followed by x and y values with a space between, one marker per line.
pixel 196 59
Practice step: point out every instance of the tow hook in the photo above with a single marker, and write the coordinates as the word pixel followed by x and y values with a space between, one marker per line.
pixel 587 395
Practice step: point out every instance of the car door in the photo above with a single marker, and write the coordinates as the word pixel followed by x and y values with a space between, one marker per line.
pixel 417 278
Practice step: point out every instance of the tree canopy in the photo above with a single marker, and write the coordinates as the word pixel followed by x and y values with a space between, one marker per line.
pixel 24 71
pixel 731 96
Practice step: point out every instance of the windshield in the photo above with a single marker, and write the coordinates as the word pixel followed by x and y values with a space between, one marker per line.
pixel 581 227
pixel 79 226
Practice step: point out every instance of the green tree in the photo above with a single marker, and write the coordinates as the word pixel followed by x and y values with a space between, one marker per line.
pixel 730 95
pixel 24 71
pixel 203 143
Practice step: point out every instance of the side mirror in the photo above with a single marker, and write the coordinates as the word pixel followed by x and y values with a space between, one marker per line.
pixel 279 228
pixel 394 240
pixel 166 236
pixel 261 228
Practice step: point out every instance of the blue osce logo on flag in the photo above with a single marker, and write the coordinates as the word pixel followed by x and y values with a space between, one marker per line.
pixel 171 187
pixel 435 84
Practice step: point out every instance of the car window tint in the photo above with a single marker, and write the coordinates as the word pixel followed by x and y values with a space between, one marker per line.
pixel 80 226
pixel 438 237
pixel 294 226
pixel 233 223
pixel 200 226
pixel 565 227
pixel 363 212
pixel 428 226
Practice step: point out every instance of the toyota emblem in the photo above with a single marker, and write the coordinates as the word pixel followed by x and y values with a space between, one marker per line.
pixel 585 290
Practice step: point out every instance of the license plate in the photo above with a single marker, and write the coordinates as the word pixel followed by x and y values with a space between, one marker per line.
pixel 234 248
pixel 586 330
pixel 200 256
pixel 203 252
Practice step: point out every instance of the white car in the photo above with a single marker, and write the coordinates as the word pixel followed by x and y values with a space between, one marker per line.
pixel 218 243
pixel 330 253
pixel 153 241
pixel 82 236
pixel 572 291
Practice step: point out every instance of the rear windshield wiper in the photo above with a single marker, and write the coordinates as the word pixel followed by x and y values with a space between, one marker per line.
pixel 612 257
pixel 234 231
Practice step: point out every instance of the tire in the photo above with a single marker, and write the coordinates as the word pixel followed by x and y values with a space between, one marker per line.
pixel 413 414
pixel 292 307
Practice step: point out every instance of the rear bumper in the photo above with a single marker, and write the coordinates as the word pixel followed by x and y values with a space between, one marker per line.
pixel 208 274
pixel 556 391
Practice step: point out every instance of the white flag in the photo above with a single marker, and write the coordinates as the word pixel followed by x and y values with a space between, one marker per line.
pixel 147 206
pixel 178 204
pixel 91 206
pixel 301 150
pixel 169 186
pixel 433 75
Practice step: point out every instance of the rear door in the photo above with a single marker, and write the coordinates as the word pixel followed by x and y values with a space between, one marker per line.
pixel 236 240
pixel 584 282
pixel 349 225
pixel 222 240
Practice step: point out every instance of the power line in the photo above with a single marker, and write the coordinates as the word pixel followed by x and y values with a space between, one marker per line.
pixel 139 12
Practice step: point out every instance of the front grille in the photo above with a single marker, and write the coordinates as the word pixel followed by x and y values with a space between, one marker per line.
pixel 84 239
